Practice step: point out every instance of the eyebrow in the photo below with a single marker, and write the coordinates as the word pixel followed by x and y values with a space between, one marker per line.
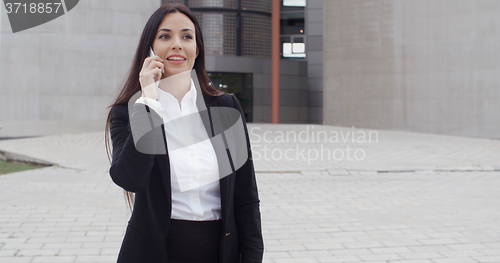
pixel 168 30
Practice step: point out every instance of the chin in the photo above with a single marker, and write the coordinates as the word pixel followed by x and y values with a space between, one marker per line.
pixel 178 70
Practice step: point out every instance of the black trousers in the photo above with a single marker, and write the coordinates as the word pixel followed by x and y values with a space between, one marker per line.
pixel 194 241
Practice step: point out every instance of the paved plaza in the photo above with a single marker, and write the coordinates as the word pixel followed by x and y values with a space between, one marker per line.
pixel 328 194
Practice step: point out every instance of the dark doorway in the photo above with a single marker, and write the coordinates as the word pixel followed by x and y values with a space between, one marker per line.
pixel 239 84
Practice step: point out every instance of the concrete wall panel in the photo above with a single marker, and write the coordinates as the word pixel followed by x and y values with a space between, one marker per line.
pixel 415 65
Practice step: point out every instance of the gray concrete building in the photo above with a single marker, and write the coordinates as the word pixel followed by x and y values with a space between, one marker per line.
pixel 416 65
pixel 314 52
pixel 60 76
pixel 237 35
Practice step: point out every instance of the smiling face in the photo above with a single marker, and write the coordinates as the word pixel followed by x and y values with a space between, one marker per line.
pixel 175 43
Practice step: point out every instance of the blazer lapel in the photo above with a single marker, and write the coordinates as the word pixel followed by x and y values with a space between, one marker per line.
pixel 224 182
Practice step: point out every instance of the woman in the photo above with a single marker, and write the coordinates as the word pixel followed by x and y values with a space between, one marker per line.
pixel 215 221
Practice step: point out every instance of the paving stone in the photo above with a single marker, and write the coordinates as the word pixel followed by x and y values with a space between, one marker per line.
pixel 8 252
pixel 282 254
pixel 302 241
pixel 410 261
pixel 79 251
pixel 37 252
pixel 458 260
pixel 62 245
pixel 438 241
pixel 363 245
pixel 288 247
pixel 389 250
pixel 319 209
pixel 50 259
pixel 100 258
pixel 17 259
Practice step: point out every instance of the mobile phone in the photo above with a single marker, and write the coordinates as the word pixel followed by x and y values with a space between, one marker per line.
pixel 151 53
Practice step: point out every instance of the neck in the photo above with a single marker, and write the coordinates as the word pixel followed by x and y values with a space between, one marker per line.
pixel 177 85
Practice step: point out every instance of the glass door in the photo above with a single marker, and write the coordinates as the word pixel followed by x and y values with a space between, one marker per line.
pixel 239 84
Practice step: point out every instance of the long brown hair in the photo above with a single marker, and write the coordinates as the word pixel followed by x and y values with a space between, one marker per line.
pixel 132 84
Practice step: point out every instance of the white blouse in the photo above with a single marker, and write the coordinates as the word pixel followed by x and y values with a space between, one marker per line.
pixel 193 163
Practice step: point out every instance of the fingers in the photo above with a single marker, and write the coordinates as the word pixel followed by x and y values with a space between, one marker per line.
pixel 151 71
pixel 154 70
pixel 155 65
pixel 150 60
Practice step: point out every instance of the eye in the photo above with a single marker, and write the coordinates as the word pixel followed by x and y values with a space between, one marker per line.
pixel 164 36
pixel 189 36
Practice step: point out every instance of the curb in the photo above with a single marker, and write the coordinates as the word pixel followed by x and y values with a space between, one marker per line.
pixel 10 156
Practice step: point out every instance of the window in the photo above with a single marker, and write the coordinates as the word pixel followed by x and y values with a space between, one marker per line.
pixel 294 3
pixel 292 26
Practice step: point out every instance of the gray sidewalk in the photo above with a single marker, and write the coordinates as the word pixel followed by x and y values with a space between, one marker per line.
pixel 410 198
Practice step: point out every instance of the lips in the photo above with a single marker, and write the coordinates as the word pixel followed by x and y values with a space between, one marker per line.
pixel 176 57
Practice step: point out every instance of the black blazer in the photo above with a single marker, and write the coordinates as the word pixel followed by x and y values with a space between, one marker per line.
pixel 148 176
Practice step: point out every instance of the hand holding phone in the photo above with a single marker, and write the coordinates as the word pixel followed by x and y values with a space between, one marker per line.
pixel 150 75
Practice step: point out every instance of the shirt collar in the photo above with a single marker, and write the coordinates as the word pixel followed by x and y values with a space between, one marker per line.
pixel 189 97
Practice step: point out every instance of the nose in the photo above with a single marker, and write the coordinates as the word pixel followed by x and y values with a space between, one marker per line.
pixel 177 44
